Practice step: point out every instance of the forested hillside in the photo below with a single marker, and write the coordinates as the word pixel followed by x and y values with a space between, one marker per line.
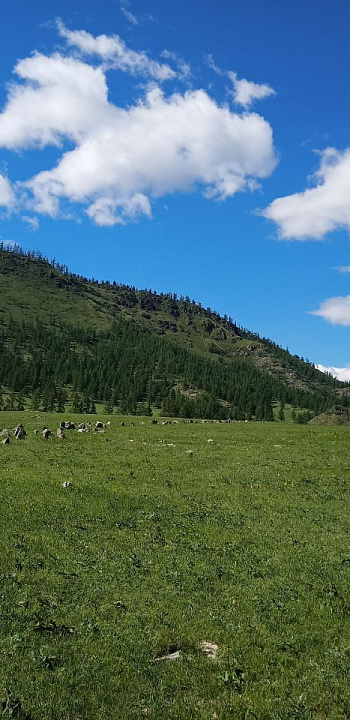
pixel 66 340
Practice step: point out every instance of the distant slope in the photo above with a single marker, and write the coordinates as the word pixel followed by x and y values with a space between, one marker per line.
pixel 335 416
pixel 33 289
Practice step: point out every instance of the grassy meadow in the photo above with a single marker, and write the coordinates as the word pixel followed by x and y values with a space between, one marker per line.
pixel 165 540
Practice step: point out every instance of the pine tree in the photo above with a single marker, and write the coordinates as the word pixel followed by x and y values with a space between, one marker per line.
pixel 280 414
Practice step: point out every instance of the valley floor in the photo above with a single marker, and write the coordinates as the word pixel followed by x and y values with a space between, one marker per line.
pixel 168 537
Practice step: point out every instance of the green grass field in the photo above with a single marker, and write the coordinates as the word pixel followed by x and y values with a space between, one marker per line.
pixel 165 540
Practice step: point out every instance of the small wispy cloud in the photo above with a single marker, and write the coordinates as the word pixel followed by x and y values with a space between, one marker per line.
pixel 129 15
pixel 32 222
pixel 115 53
pixel 184 69
pixel 213 66
pixel 245 92
pixel 342 268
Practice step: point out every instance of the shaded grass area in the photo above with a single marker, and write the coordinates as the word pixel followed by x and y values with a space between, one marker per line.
pixel 244 541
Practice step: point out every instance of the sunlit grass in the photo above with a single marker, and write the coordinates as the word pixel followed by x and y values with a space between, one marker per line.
pixel 243 541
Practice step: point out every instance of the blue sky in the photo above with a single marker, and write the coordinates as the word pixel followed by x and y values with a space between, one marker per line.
pixel 200 148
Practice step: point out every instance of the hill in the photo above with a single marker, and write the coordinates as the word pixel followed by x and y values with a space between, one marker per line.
pixel 337 415
pixel 63 335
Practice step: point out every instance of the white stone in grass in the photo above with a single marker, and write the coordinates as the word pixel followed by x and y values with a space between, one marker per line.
pixel 170 656
pixel 210 649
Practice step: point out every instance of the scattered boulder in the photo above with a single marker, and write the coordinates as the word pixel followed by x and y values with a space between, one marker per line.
pixel 172 653
pixel 19 432
pixel 210 649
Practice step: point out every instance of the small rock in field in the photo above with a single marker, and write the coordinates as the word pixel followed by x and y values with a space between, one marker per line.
pixel 170 656
pixel 210 649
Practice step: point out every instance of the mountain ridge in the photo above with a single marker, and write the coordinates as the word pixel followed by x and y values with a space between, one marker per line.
pixel 34 289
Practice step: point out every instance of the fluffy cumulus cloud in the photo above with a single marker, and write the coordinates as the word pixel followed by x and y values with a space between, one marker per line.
pixel 342 374
pixel 320 209
pixel 246 92
pixel 335 310
pixel 120 159
pixel 60 98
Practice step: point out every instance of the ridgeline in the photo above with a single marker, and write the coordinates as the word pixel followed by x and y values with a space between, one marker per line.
pixel 66 340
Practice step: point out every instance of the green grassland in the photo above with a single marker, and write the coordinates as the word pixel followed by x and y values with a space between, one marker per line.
pixel 165 540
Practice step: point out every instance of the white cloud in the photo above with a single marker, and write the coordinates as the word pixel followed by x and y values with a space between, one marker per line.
pixel 61 97
pixel 129 16
pixel 318 210
pixel 213 66
pixel 246 92
pixel 342 374
pixel 110 211
pixel 335 310
pixel 7 196
pixel 183 68
pixel 112 49
pixel 123 158
pixel 343 268
pixel 33 222
pixel 161 146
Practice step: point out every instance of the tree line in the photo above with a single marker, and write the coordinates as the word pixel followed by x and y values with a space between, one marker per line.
pixel 129 368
